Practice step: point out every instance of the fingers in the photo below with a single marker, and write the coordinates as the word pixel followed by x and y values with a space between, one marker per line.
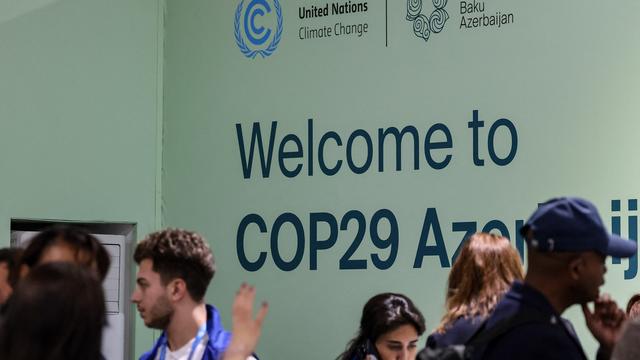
pixel 605 312
pixel 243 303
pixel 264 308
pixel 588 315
pixel 608 311
pixel 620 318
pixel 245 296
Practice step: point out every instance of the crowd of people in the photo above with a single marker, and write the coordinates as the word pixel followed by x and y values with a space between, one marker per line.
pixel 496 311
pixel 52 302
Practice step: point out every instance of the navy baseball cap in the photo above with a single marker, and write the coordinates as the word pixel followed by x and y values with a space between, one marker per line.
pixel 573 225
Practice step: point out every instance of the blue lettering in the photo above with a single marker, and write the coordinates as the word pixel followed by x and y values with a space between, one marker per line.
pixel 429 145
pixel 399 135
pixel 431 221
pixel 244 262
pixel 469 228
pixel 475 124
pixel 297 153
pixel 314 243
pixel 256 136
pixel 514 142
pixel 323 166
pixel 275 250
pixel 363 134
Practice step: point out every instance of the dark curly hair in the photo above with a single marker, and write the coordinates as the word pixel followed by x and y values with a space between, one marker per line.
pixel 179 254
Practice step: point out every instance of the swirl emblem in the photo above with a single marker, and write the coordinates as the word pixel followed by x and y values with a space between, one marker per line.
pixel 424 26
pixel 252 37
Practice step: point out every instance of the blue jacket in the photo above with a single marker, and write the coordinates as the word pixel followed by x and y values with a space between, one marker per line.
pixel 457 333
pixel 548 339
pixel 217 342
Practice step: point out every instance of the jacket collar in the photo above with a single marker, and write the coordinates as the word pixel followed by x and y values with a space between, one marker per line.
pixel 217 337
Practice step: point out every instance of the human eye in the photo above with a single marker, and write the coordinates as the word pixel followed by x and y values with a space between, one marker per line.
pixel 394 347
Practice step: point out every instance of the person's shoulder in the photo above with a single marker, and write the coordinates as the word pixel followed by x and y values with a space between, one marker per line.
pixel 508 306
pixel 459 332
pixel 538 340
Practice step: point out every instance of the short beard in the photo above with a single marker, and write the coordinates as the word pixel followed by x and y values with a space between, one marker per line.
pixel 160 314
pixel 583 295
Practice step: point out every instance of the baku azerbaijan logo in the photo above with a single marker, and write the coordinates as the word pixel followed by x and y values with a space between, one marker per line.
pixel 423 26
pixel 257 30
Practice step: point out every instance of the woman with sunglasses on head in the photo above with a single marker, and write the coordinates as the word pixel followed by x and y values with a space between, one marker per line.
pixel 389 330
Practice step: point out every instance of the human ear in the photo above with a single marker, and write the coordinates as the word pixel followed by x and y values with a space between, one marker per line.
pixel 177 289
pixel 575 268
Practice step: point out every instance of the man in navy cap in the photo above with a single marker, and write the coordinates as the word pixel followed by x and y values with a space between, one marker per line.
pixel 567 244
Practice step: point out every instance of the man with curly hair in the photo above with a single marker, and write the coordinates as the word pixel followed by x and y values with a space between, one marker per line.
pixel 175 268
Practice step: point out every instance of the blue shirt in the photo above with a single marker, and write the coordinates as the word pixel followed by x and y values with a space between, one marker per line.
pixel 548 339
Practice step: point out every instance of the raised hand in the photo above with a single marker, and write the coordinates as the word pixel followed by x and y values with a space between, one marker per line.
pixel 605 322
pixel 246 330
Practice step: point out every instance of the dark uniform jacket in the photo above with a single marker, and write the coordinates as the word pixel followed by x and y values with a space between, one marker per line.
pixel 457 333
pixel 550 338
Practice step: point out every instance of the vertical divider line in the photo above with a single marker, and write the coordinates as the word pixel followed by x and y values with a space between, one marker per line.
pixel 386 23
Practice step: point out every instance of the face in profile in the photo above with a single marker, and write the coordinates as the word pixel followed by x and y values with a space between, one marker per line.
pixel 591 275
pixel 151 298
pixel 398 344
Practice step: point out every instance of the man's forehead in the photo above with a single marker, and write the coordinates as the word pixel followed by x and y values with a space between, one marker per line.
pixel 146 268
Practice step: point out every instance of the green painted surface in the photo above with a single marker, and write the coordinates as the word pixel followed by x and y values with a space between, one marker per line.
pixel 82 88
pixel 564 73
pixel 80 114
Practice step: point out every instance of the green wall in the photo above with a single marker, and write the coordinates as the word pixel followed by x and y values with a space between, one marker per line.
pixel 564 73
pixel 80 114
pixel 122 111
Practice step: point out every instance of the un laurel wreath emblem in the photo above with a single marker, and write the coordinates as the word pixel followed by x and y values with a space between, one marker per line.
pixel 423 26
pixel 257 37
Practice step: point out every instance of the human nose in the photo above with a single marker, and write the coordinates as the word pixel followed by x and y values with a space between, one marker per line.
pixel 404 355
pixel 135 296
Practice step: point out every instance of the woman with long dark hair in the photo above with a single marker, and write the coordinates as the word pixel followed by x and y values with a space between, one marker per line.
pixel 480 276
pixel 389 329
pixel 56 313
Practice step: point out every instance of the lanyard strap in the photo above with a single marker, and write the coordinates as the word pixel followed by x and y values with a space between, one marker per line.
pixel 201 333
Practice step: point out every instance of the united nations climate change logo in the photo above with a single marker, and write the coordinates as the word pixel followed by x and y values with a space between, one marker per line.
pixel 259 27
pixel 423 26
